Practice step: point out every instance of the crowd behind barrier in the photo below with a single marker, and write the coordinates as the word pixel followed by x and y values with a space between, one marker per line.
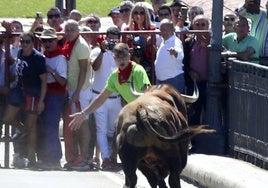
pixel 246 104
pixel 125 35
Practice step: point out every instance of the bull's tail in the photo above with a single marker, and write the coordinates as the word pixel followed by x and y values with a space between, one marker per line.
pixel 188 133
pixel 182 135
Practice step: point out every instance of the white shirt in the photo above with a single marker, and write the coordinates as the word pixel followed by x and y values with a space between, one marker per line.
pixel 168 66
pixel 59 65
pixel 107 66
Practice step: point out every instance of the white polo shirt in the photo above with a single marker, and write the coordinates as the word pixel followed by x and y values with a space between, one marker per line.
pixel 166 65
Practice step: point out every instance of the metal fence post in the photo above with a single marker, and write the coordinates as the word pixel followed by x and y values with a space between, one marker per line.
pixel 65 6
pixel 214 143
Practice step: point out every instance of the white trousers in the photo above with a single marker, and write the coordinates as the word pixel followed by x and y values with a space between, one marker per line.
pixel 105 117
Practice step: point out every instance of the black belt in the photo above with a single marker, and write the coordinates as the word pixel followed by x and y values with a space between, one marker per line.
pixel 110 97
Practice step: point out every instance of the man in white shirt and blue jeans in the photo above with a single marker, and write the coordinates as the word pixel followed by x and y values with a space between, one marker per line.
pixel 168 62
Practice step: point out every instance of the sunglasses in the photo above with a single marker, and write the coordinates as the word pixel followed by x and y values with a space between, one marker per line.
pixel 92 21
pixel 124 10
pixel 47 40
pixel 22 41
pixel 200 24
pixel 139 13
pixel 51 16
pixel 164 15
pixel 229 19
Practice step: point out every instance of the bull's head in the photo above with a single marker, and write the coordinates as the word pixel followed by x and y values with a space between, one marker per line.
pixel 187 98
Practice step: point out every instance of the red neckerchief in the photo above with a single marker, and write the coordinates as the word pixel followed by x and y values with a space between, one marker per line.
pixel 123 75
pixel 55 53
pixel 59 29
pixel 68 47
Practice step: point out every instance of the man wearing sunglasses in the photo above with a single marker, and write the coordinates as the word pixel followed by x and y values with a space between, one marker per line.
pixel 54 20
pixel 259 26
pixel 124 9
pixel 228 23
pixel 49 150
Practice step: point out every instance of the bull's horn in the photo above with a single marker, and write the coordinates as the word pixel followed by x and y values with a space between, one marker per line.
pixel 194 97
pixel 132 89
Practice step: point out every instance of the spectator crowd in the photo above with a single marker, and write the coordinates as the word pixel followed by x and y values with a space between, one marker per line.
pixel 59 71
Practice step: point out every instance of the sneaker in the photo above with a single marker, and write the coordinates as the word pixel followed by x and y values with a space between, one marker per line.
pixel 108 165
pixel 20 162
pixel 32 165
pixel 96 163
pixel 48 165
pixel 68 166
pixel 82 166
pixel 19 135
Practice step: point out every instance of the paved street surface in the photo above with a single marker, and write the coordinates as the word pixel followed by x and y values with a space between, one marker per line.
pixel 20 178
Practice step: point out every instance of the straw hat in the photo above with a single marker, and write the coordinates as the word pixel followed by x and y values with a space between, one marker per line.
pixel 50 33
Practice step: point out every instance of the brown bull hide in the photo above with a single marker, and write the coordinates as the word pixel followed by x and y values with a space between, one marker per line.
pixel 153 135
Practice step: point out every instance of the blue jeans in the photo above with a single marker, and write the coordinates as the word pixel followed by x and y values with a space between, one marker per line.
pixel 177 82
pixel 49 145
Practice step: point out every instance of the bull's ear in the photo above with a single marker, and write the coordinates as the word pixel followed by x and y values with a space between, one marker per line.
pixel 194 97
pixel 135 137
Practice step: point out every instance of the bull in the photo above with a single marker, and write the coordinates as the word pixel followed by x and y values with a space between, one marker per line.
pixel 153 135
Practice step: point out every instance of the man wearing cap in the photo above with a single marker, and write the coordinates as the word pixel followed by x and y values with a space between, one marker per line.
pixel 49 151
pixel 176 8
pixel 115 15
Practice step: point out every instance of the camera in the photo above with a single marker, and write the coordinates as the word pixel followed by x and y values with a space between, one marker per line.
pixel 137 51
pixel 38 15
pixel 111 45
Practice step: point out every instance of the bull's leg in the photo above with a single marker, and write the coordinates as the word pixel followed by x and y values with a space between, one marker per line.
pixel 129 169
pixel 174 180
pixel 148 173
pixel 129 158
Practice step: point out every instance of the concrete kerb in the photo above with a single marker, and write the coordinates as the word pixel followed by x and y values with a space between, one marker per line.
pixel 223 172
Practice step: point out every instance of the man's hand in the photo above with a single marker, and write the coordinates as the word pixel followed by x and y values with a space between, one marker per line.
pixel 77 121
pixel 7 26
pixel 172 51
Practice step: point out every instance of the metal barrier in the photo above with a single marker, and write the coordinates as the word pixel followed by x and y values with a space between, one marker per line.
pixel 247 112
